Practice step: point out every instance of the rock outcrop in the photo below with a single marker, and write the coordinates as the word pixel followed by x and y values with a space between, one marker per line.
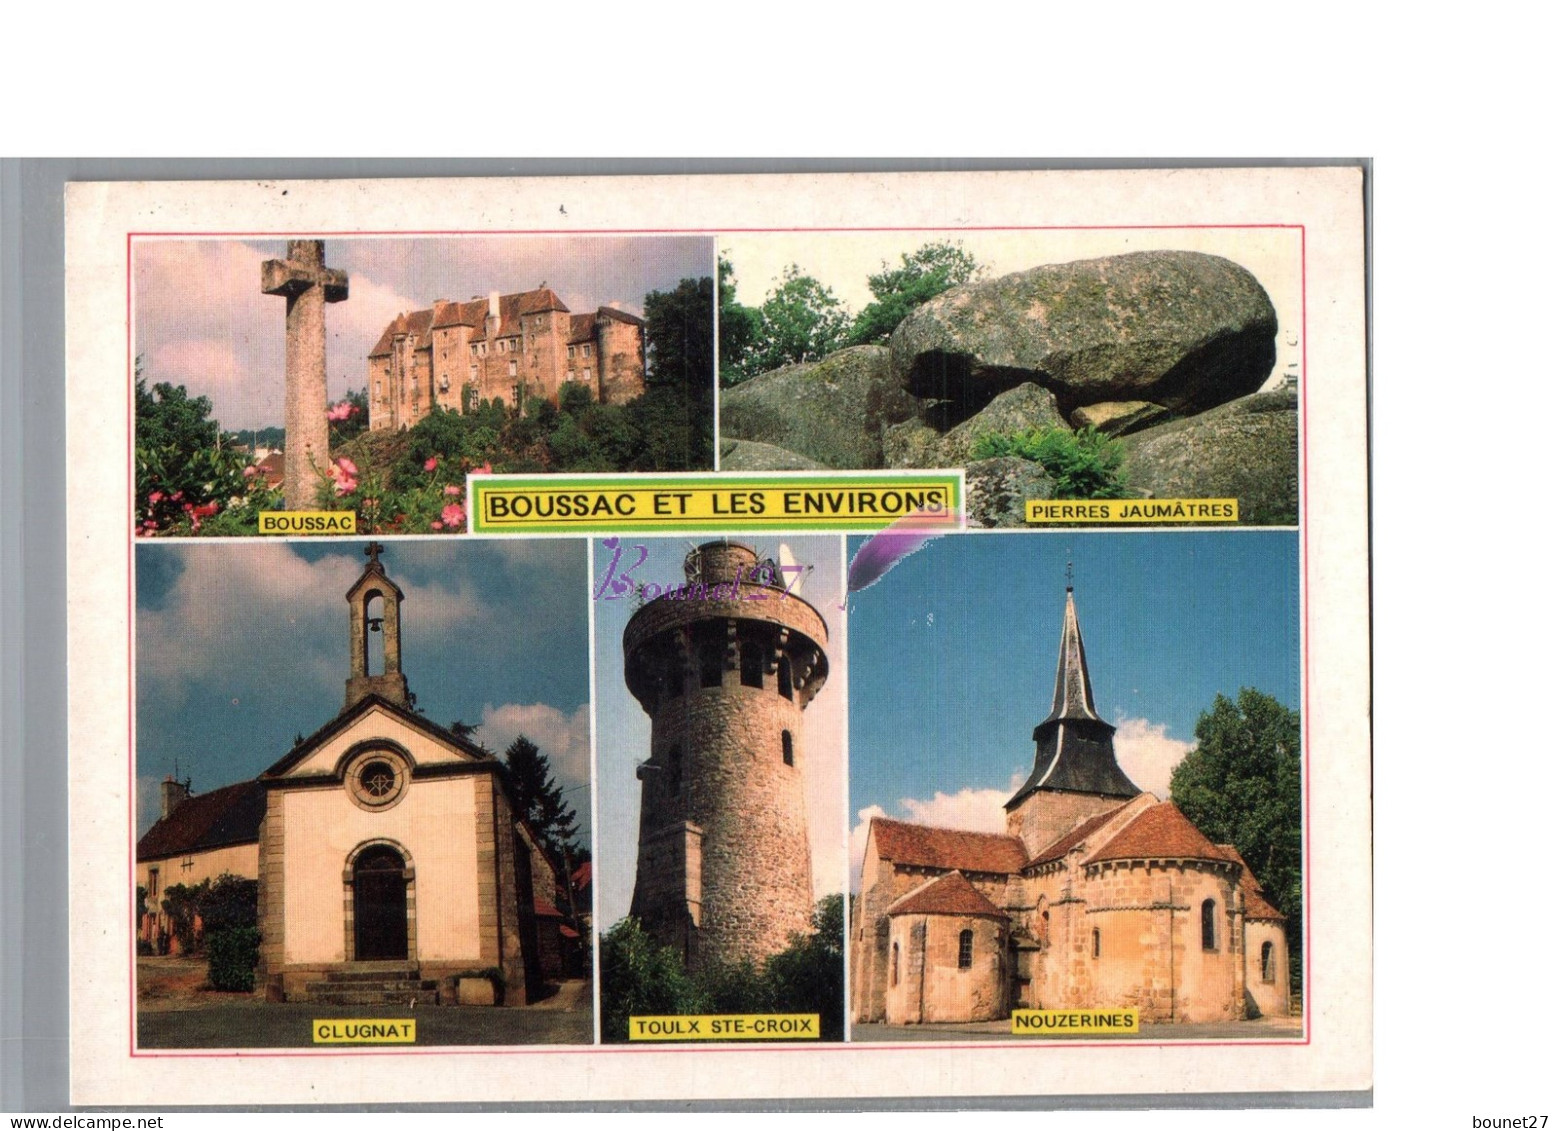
pixel 1177 328
pixel 832 411
pixel 995 490
pixel 1245 450
pixel 750 455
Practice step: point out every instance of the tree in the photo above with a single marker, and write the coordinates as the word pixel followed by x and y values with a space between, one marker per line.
pixel 1241 786
pixel 671 427
pixel 537 799
pixel 923 275
pixel 801 320
pixel 808 977
pixel 738 328
pixel 184 470
pixel 679 335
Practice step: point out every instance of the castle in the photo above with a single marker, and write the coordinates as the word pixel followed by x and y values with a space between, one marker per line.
pixel 1096 896
pixel 504 347
pixel 724 667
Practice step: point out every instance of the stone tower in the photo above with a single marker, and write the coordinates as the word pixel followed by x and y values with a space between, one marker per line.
pixel 1075 774
pixel 374 602
pixel 725 666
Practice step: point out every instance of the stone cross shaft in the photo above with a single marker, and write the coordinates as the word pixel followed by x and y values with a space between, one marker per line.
pixel 307 284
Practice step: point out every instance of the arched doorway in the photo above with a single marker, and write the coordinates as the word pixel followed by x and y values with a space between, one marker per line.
pixel 379 905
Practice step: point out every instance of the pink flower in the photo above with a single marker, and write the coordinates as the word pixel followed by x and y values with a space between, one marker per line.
pixel 250 472
pixel 345 486
pixel 453 490
pixel 437 525
pixel 206 510
pixel 431 464
pixel 346 465
pixel 484 469
pixel 454 515
pixel 154 498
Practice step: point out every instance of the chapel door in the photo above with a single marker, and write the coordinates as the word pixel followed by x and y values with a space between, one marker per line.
pixel 379 878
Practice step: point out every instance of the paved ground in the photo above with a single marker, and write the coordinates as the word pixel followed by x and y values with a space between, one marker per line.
pixel 1262 1029
pixel 175 1013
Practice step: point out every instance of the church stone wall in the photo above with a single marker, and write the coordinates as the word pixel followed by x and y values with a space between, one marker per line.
pixel 932 986
pixel 376 726
pixel 1047 815
pixel 1268 996
pixel 323 827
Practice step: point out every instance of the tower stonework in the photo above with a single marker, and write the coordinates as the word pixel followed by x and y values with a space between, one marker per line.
pixel 724 667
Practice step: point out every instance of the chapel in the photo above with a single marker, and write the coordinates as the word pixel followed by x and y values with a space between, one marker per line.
pixel 1097 895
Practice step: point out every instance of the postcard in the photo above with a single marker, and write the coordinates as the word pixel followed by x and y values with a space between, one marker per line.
pixel 753 638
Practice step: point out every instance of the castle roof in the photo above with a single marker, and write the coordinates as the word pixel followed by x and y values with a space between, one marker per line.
pixel 581 328
pixel 951 894
pixel 1255 903
pixel 472 314
pixel 926 847
pixel 1161 832
pixel 227 816
pixel 1075 837
pixel 1073 747
pixel 620 316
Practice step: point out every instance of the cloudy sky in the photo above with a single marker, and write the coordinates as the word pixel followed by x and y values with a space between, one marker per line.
pixel 844 260
pixel 953 658
pixel 242 646
pixel 201 321
pixel 624 728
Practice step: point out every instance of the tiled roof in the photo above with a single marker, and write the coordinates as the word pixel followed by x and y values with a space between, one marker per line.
pixel 951 894
pixel 1255 904
pixel 474 314
pixel 620 316
pixel 461 314
pixel 581 328
pixel 582 875
pixel 545 910
pixel 387 339
pixel 1159 833
pixel 924 846
pixel 1075 837
pixel 226 816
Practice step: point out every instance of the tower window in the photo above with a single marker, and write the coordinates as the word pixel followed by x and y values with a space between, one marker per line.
pixel 751 664
pixel 788 745
pixel 786 688
pixel 895 964
pixel 1209 924
pixel 711 663
pixel 965 950
pixel 1098 943
pixel 674 763
pixel 1268 963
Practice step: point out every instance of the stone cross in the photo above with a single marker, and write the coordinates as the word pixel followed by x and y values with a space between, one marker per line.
pixel 308 284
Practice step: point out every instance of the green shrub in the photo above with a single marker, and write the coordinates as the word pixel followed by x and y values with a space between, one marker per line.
pixel 1083 465
pixel 231 958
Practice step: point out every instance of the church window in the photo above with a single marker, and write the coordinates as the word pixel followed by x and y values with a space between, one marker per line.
pixel 378 779
pixel 1098 943
pixel 965 950
pixel 786 688
pixel 1209 924
pixel 788 745
pixel 895 964
pixel 751 664
pixel 1268 962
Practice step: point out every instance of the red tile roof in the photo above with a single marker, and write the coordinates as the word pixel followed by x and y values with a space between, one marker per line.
pixel 581 328
pixel 1159 833
pixel 1255 904
pixel 227 816
pixel 923 846
pixel 951 894
pixel 1075 837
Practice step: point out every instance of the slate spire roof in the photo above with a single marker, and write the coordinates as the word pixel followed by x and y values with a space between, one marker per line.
pixel 1073 747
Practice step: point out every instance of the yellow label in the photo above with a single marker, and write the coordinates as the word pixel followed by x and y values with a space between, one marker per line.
pixel 1074 1022
pixel 696 501
pixel 1133 510
pixel 727 1027
pixel 339 1031
pixel 308 522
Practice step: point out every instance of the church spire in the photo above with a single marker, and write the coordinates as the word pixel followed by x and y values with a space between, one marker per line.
pixel 374 604
pixel 1073 747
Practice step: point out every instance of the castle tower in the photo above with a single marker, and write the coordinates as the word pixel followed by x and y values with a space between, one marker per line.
pixel 1075 774
pixel 724 666
pixel 374 602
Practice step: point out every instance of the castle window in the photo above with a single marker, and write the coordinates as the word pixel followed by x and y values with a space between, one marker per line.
pixel 586 374
pixel 513 369
pixel 1098 943
pixel 965 950
pixel 570 353
pixel 786 688
pixel 788 745
pixel 152 876
pixel 895 964
pixel 674 762
pixel 711 661
pixel 751 664
pixel 1268 962
pixel 1209 924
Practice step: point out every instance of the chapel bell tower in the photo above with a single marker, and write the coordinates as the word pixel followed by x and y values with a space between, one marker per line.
pixel 374 602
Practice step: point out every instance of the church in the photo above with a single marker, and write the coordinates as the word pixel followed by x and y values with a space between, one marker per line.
pixel 501 347
pixel 1096 896
pixel 390 865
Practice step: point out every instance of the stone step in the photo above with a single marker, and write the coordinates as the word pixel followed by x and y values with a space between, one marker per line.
pixel 373 973
pixel 378 986
pixel 370 997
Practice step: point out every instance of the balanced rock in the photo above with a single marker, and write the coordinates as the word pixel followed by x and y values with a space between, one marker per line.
pixel 832 411
pixel 1245 450
pixel 1177 328
pixel 1117 418
pixel 750 455
pixel 1017 410
pixel 996 490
